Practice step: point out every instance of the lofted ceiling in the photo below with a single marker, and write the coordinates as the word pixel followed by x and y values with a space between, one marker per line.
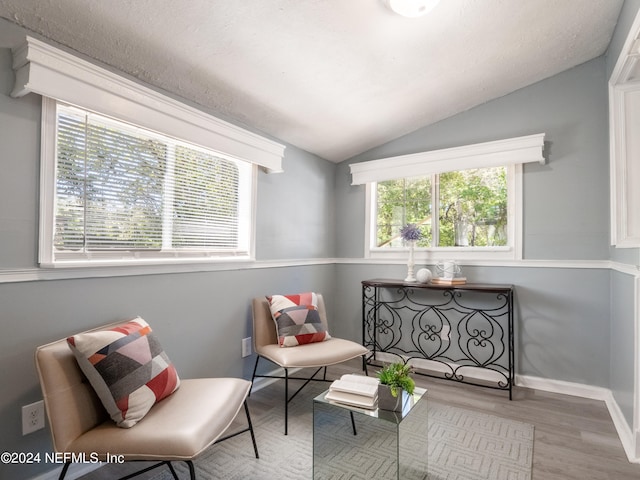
pixel 333 77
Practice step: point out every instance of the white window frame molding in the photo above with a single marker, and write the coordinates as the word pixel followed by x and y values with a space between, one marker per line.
pixel 51 72
pixel 46 255
pixel 56 74
pixel 624 164
pixel 511 153
pixel 624 123
pixel 434 254
pixel 499 153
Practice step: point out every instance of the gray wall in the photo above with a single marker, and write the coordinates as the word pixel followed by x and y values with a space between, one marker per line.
pixel 199 317
pixel 621 368
pixel 566 201
pixel 561 318
pixel 295 214
pixel 567 328
pixel 573 324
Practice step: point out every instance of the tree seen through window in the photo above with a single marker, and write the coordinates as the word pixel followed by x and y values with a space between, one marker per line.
pixel 471 207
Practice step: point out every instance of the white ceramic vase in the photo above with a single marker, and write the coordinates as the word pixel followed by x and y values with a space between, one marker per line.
pixel 410 263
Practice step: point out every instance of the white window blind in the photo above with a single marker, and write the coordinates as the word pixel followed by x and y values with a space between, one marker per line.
pixel 126 192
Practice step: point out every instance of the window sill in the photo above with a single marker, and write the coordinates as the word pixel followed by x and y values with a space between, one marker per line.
pixel 135 263
pixel 422 255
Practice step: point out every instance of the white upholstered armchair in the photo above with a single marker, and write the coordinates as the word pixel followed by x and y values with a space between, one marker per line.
pixel 176 428
pixel 316 355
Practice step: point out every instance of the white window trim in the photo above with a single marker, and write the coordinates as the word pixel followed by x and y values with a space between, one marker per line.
pixel 56 74
pixel 434 254
pixel 51 72
pixel 624 93
pixel 46 255
pixel 511 153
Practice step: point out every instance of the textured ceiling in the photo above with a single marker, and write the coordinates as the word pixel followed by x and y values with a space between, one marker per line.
pixel 333 77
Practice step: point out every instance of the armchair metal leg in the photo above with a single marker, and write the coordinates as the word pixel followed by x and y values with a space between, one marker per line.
pixel 152 467
pixel 253 437
pixel 192 470
pixel 353 423
pixel 286 401
pixel 248 429
pixel 172 470
pixel 253 376
pixel 140 472
pixel 286 377
pixel 64 470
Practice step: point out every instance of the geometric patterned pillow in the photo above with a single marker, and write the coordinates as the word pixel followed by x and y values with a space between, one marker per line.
pixel 127 368
pixel 297 319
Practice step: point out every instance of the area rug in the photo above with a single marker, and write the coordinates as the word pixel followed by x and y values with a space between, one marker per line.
pixel 462 445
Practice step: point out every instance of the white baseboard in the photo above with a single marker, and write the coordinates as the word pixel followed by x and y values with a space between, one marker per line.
pixel 565 388
pixel 261 382
pixel 622 427
pixel 625 432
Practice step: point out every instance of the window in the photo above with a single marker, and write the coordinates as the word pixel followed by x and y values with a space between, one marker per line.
pixel 113 190
pixel 624 145
pixel 467 200
pixel 124 193
pixel 454 209
pixel 471 214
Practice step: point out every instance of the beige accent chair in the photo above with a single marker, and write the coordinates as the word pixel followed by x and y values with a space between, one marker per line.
pixel 177 428
pixel 313 355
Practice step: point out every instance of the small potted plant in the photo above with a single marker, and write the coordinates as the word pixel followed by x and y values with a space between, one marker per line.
pixel 395 386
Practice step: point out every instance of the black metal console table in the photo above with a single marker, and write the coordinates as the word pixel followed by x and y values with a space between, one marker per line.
pixel 458 332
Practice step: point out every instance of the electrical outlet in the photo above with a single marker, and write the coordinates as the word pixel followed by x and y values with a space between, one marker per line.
pixel 246 347
pixel 444 332
pixel 32 417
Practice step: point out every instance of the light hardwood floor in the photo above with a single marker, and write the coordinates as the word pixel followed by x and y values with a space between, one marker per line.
pixel 574 437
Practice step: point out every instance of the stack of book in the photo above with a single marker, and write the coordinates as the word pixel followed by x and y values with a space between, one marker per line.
pixel 449 281
pixel 355 390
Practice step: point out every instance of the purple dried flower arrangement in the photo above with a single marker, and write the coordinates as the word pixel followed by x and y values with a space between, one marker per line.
pixel 410 232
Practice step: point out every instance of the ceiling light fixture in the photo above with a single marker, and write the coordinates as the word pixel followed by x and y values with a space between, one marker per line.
pixel 411 8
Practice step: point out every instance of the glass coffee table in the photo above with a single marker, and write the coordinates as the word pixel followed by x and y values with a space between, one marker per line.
pixel 387 444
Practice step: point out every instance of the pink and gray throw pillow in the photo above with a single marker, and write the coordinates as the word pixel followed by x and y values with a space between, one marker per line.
pixel 297 319
pixel 127 368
